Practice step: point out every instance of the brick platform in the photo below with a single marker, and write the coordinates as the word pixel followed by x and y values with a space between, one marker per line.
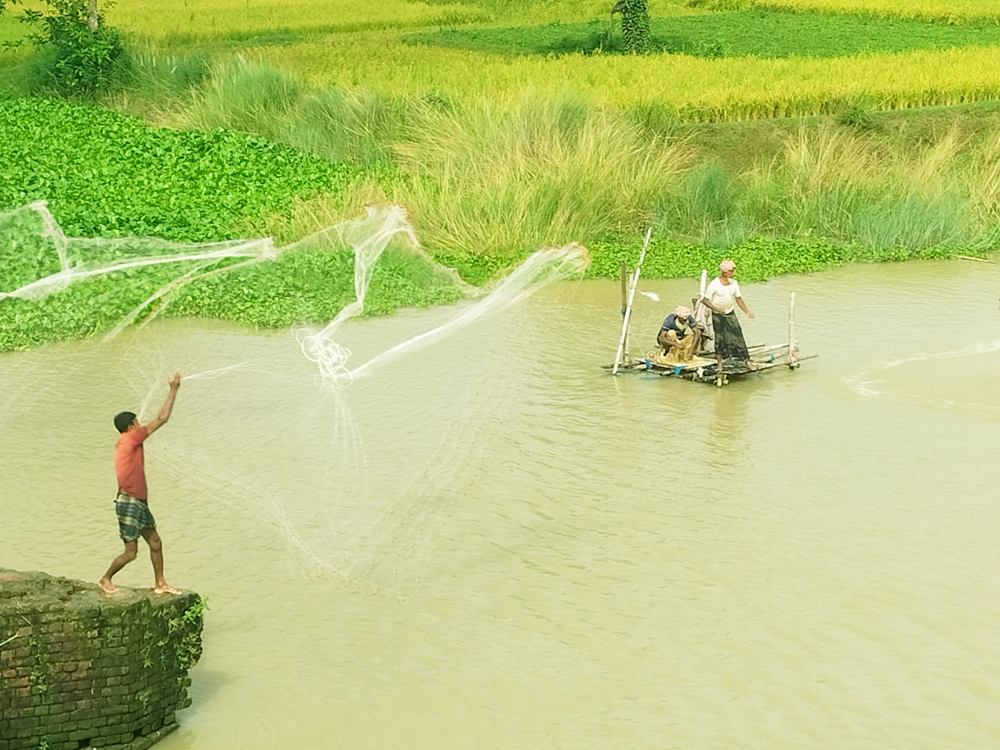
pixel 79 668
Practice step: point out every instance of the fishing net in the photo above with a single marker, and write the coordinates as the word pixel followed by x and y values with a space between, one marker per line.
pixel 108 285
pixel 53 286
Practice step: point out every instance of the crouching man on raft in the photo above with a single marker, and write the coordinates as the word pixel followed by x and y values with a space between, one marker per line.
pixel 134 517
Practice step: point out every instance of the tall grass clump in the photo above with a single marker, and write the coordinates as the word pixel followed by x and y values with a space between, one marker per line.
pixel 847 188
pixel 501 181
pixel 704 207
pixel 490 178
pixel 358 127
pixel 157 77
pixel 246 97
pixel 249 97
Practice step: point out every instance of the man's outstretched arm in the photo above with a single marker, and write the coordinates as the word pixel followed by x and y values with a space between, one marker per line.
pixel 174 381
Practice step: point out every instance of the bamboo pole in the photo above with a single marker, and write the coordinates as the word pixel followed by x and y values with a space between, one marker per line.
pixel 628 307
pixel 624 286
pixel 626 277
pixel 791 327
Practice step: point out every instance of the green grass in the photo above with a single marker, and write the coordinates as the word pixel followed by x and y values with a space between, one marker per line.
pixel 492 177
pixel 758 259
pixel 761 33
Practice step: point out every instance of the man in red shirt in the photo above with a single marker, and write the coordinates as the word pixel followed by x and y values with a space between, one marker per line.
pixel 134 517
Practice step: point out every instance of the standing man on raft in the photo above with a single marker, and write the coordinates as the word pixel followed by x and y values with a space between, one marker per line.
pixel 721 297
pixel 134 517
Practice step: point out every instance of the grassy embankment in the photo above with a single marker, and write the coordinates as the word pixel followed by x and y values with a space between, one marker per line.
pixel 596 147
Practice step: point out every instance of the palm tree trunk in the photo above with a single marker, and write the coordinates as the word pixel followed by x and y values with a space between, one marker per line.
pixel 92 19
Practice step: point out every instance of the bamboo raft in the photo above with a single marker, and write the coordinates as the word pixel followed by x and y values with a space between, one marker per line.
pixel 763 357
pixel 704 369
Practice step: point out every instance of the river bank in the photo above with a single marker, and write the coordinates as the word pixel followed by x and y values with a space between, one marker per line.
pixel 830 196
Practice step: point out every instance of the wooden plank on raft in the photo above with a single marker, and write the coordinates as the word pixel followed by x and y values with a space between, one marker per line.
pixel 761 367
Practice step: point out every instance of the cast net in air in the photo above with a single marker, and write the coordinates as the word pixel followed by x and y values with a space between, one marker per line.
pixel 108 285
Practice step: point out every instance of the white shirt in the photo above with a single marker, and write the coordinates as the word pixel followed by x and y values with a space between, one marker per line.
pixel 723 296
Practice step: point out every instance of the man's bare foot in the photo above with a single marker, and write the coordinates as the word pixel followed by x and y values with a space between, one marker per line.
pixel 106 586
pixel 164 588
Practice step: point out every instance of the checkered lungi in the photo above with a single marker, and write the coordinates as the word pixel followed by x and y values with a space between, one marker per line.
pixel 133 516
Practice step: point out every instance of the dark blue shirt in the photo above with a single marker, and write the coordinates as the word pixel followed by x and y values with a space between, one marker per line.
pixel 671 323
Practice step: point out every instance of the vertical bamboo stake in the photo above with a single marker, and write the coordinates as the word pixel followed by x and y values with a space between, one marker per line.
pixel 626 277
pixel 704 283
pixel 628 306
pixel 791 327
pixel 624 286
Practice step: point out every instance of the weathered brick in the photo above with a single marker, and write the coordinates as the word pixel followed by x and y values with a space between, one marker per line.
pixel 66 666
pixel 25 722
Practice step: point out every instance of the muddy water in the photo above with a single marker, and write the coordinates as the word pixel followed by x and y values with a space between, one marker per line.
pixel 494 544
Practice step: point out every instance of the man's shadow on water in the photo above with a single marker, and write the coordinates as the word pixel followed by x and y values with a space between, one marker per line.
pixel 727 439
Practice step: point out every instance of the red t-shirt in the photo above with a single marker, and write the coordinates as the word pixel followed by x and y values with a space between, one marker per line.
pixel 130 464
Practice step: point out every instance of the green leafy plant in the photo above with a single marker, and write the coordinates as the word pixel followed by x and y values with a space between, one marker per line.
pixel 635 25
pixel 39 675
pixel 107 175
pixel 196 611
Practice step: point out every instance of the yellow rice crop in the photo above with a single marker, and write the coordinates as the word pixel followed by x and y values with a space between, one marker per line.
pixel 201 19
pixel 694 88
pixel 223 18
pixel 938 10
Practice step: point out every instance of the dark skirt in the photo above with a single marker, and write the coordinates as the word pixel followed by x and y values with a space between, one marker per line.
pixel 729 342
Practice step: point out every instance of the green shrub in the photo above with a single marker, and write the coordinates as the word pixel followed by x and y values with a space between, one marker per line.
pixel 635 25
pixel 76 54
